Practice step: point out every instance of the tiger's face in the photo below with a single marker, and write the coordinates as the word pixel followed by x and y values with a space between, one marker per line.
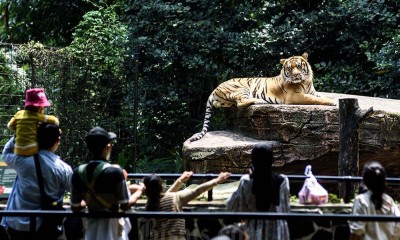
pixel 296 69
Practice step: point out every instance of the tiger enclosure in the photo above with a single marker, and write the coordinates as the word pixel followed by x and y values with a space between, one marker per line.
pixel 145 69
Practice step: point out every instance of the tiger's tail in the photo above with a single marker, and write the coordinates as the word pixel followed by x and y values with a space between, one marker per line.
pixel 207 119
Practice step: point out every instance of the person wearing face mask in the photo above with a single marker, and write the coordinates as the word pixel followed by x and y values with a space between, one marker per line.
pixel 101 187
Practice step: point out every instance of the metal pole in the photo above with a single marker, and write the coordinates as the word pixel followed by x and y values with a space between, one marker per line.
pixel 33 71
pixel 135 108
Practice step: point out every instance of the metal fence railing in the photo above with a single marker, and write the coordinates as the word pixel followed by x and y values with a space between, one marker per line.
pixel 292 178
pixel 135 214
pixel 295 178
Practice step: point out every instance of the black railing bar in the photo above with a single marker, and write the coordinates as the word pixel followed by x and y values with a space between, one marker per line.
pixel 207 215
pixel 238 176
pixel 172 175
pixel 328 178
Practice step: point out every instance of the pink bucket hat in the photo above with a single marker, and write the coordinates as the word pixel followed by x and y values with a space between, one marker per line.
pixel 36 97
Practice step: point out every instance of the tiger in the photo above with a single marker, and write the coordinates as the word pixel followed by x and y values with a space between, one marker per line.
pixel 294 85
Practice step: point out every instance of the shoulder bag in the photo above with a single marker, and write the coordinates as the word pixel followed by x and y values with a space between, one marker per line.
pixel 52 226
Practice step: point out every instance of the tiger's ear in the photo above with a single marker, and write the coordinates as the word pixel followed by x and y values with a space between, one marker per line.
pixel 283 61
pixel 305 56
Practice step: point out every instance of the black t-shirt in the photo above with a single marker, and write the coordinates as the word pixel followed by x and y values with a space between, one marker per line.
pixel 110 185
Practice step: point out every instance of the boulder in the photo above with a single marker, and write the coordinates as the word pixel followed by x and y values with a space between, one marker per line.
pixel 300 135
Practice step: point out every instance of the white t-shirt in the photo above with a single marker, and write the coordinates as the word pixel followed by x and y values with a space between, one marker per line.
pixel 375 230
pixel 107 228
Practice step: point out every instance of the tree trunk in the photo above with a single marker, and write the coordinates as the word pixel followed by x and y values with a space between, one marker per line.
pixel 350 117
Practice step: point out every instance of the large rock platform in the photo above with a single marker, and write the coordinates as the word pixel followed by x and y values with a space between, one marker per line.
pixel 300 134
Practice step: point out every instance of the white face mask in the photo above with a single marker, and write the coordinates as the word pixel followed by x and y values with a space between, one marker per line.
pixel 108 155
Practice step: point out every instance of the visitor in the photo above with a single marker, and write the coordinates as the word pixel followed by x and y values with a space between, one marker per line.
pixel 234 232
pixel 372 200
pixel 25 193
pixel 25 122
pixel 262 191
pixel 101 187
pixel 172 200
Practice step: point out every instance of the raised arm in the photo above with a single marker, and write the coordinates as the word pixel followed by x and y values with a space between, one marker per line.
pixel 180 181
pixel 139 189
pixel 11 124
pixel 52 119
pixel 188 195
pixel 47 118
pixel 8 155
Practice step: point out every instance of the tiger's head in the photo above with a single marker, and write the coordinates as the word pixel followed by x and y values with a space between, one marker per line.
pixel 296 69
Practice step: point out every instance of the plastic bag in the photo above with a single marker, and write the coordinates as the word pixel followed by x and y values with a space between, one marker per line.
pixel 312 192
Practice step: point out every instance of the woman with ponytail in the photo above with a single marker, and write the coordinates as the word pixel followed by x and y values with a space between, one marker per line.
pixel 262 191
pixel 172 200
pixel 373 200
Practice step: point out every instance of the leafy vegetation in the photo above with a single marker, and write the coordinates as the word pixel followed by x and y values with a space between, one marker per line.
pixel 332 198
pixel 7 89
pixel 46 21
pixel 100 49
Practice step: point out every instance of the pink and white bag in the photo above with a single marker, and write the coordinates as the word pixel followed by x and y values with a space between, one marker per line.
pixel 312 192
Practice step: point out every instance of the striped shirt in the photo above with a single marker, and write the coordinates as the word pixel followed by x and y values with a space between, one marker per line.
pixel 173 201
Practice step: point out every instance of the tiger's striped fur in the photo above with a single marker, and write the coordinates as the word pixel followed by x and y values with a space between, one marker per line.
pixel 294 85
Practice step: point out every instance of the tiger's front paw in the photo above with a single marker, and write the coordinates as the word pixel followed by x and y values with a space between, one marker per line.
pixel 333 102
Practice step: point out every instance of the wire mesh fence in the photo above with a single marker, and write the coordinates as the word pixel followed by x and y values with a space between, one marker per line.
pixel 81 97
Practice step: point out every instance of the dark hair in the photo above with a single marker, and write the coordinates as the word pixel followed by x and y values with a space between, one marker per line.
pixel 96 148
pixel 153 184
pixel 47 135
pixel 266 185
pixel 374 178
pixel 97 139
pixel 32 108
pixel 232 231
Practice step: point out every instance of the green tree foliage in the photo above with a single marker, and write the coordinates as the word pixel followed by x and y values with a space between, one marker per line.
pixel 360 27
pixel 187 48
pixel 50 22
pixel 86 81
pixel 9 85
pixel 100 86
pixel 47 21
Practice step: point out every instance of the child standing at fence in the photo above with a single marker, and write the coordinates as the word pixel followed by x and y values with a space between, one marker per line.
pixel 25 122
pixel 373 200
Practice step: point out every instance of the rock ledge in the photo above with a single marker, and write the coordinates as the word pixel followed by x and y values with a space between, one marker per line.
pixel 300 134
